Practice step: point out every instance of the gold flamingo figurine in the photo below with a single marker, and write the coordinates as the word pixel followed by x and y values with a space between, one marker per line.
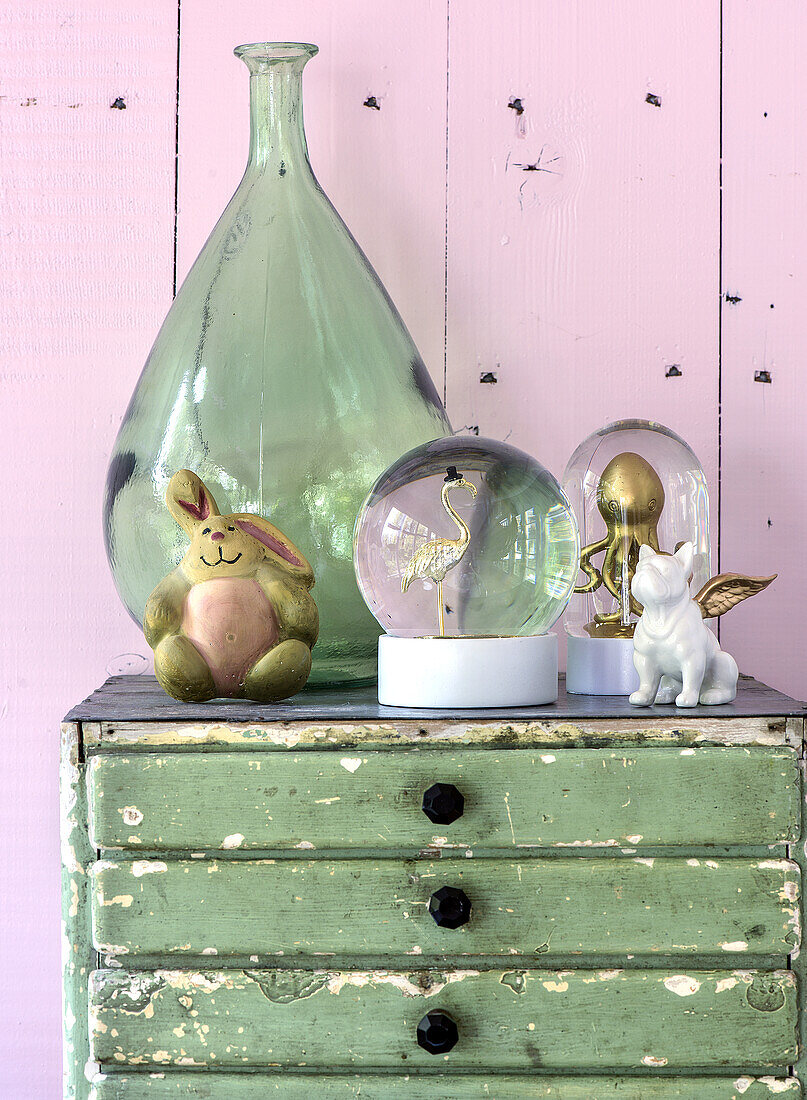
pixel 435 558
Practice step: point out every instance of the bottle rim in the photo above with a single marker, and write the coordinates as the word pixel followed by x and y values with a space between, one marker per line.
pixel 273 52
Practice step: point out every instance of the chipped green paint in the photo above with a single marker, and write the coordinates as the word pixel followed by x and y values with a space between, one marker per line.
pixel 189 788
pixel 355 908
pixel 765 995
pixel 77 954
pixel 798 961
pixel 583 1019
pixel 135 997
pixel 515 980
pixel 571 797
pixel 230 1086
pixel 682 730
pixel 282 987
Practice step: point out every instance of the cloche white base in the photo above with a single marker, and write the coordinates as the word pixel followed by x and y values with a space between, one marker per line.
pixel 460 673
pixel 600 666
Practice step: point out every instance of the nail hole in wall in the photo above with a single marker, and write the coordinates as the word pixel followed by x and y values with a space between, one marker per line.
pixel 762 376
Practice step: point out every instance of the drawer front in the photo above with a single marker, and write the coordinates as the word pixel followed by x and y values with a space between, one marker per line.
pixel 597 1020
pixel 231 1086
pixel 320 800
pixel 485 906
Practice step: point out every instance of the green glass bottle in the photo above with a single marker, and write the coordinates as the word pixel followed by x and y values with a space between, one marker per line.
pixel 283 376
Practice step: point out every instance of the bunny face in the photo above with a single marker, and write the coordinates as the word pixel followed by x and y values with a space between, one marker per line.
pixel 220 548
pixel 228 546
pixel 662 578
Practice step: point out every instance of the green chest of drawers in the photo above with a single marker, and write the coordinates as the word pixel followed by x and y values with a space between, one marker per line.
pixel 317 899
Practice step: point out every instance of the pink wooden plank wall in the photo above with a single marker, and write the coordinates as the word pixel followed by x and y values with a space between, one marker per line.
pixel 764 453
pixel 86 241
pixel 579 286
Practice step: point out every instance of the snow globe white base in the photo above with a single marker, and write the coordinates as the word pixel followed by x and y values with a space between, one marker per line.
pixel 600 666
pixel 467 672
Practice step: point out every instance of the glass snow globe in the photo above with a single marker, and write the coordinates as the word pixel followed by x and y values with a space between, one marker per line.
pixel 466 551
pixel 632 483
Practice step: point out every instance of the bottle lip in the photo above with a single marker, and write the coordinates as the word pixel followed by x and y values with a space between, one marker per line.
pixel 273 52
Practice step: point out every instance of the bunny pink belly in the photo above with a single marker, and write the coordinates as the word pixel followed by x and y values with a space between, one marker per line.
pixel 232 624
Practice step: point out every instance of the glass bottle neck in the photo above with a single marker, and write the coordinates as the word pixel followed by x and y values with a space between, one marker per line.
pixel 277 142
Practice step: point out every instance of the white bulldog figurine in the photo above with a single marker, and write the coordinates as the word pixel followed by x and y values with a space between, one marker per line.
pixel 676 655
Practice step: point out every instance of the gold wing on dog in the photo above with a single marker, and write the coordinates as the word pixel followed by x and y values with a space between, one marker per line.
pixel 726 590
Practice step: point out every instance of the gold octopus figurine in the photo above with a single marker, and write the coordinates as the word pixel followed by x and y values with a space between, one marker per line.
pixel 630 499
pixel 435 558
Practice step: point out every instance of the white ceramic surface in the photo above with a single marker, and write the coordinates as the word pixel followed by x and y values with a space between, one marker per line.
pixel 600 666
pixel 675 653
pixel 459 673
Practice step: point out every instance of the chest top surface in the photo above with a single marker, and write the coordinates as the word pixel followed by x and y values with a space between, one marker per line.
pixel 141 699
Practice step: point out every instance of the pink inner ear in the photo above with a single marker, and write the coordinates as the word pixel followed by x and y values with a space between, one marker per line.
pixel 268 541
pixel 200 511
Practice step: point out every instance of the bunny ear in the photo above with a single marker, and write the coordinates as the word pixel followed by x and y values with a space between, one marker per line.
pixel 645 551
pixel 279 549
pixel 189 501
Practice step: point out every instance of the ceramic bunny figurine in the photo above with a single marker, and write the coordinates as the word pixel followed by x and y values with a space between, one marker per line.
pixel 235 617
pixel 676 655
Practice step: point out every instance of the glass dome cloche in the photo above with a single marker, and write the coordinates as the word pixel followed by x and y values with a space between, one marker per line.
pixel 466 552
pixel 632 483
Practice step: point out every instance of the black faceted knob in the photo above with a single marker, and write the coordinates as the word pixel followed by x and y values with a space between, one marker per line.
pixel 443 803
pixel 437 1033
pixel 450 907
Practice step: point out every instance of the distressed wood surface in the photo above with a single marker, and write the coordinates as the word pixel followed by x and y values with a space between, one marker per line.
pixel 125 699
pixel 230 1086
pixel 764 445
pixel 507 1020
pixel 798 960
pixel 77 952
pixel 571 797
pixel 594 733
pixel 357 908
